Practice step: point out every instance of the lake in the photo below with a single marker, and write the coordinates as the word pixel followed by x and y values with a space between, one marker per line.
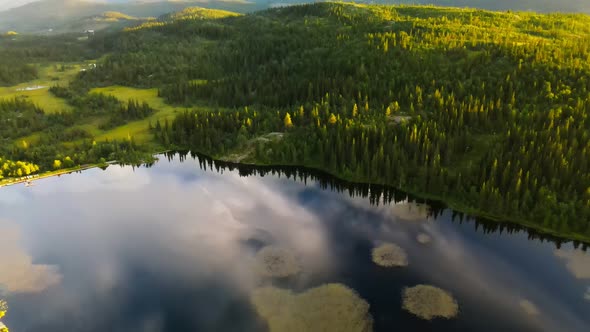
pixel 177 246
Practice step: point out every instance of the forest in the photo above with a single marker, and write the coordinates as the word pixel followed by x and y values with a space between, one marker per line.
pixel 486 111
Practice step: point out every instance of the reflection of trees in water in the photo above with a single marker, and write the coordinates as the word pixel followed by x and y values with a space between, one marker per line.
pixel 331 307
pixel 376 194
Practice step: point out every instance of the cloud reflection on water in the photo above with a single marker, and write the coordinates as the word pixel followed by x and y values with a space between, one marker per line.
pixel 18 273
pixel 478 275
pixel 196 230
pixel 577 262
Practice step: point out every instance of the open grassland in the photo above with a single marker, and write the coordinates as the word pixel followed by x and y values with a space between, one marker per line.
pixel 139 130
pixel 37 90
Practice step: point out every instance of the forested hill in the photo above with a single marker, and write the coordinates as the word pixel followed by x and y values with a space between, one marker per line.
pixel 486 110
pixel 65 15
pixel 543 6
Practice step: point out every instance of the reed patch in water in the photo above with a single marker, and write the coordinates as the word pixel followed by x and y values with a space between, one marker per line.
pixel 529 307
pixel 331 307
pixel 428 302
pixel 389 255
pixel 423 238
pixel 276 262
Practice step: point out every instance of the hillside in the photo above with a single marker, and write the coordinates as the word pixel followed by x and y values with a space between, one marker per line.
pixel 441 101
pixel 61 15
pixel 102 22
pixel 486 111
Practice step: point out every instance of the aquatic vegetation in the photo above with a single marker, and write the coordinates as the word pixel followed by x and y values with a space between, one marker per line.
pixel 423 238
pixel 277 262
pixel 428 302
pixel 529 307
pixel 390 255
pixel 331 307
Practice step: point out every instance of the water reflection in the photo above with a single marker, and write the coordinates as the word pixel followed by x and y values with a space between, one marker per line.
pixel 406 207
pixel 173 247
pixel 19 274
pixel 577 261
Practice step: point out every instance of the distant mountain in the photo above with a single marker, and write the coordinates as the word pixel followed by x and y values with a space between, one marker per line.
pixel 57 15
pixel 40 16
pixel 106 20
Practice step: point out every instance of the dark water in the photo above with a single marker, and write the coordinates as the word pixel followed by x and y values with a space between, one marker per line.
pixel 171 248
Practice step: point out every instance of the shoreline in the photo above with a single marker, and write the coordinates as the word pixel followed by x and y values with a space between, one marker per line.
pixel 40 176
pixel 448 202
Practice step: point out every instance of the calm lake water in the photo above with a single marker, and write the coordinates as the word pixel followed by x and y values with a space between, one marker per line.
pixel 172 248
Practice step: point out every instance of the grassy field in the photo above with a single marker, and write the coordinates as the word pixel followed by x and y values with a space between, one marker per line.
pixel 138 129
pixel 38 90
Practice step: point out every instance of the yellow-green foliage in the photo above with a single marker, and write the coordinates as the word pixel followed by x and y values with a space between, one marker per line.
pixel 9 168
pixel 192 13
pixel 3 308
pixel 331 307
pixel 198 13
pixel 389 255
pixel 117 16
pixel 145 25
pixel 554 37
pixel 276 262
pixel 428 302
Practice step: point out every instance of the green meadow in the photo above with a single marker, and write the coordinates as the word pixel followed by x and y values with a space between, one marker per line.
pixel 37 90
pixel 139 130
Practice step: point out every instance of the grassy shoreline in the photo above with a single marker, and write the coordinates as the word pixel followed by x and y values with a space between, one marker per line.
pixel 34 177
pixel 448 202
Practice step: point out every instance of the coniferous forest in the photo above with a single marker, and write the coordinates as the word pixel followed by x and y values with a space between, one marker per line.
pixel 486 111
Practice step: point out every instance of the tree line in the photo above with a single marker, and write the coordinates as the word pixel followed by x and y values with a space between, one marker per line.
pixel 495 123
